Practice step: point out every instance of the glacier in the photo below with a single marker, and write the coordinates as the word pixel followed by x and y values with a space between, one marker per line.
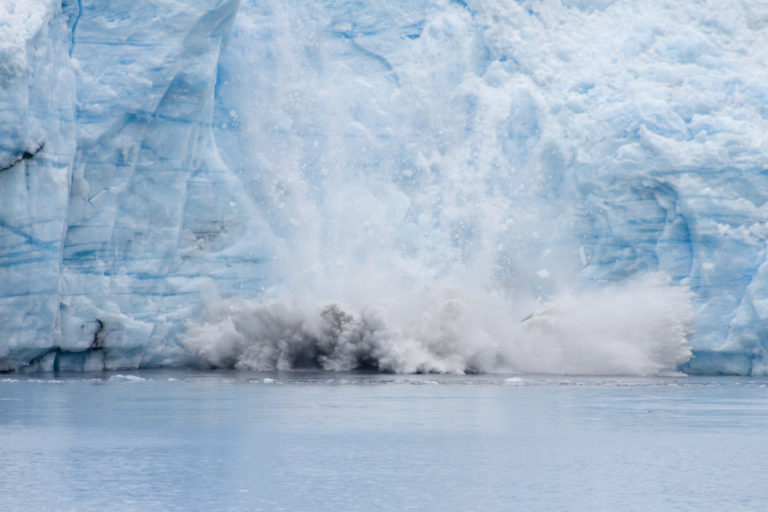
pixel 568 186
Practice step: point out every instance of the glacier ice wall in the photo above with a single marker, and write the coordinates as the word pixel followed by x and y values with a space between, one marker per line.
pixel 96 226
pixel 208 180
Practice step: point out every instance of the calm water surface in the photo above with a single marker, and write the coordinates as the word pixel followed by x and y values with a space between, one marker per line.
pixel 184 441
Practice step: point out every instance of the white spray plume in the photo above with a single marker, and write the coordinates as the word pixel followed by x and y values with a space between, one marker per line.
pixel 638 327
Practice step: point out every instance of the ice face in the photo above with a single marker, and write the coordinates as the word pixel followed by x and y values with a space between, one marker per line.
pixel 37 145
pixel 93 239
pixel 571 186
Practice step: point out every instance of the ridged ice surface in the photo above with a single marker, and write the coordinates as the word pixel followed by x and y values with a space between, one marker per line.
pixel 563 186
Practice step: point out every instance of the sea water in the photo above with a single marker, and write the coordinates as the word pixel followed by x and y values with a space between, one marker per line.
pixel 316 441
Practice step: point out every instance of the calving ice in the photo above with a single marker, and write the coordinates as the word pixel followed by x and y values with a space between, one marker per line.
pixel 571 186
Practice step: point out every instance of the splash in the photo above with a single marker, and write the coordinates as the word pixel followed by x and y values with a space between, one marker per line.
pixel 636 328
pixel 422 206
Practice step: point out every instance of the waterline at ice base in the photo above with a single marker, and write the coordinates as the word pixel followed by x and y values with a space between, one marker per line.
pixel 565 186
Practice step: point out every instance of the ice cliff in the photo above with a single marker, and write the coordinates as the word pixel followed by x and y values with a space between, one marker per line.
pixel 554 186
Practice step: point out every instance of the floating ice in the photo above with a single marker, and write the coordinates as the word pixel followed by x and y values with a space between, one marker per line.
pixel 126 378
